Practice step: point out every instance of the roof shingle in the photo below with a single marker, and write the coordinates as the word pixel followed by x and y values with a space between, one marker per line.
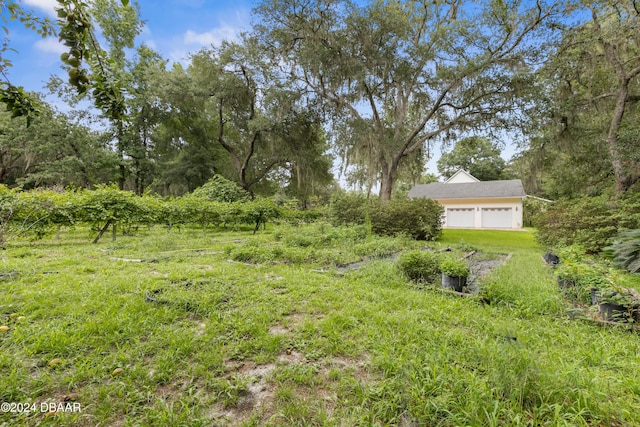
pixel 469 190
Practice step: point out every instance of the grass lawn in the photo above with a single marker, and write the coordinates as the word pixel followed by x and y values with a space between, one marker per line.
pixel 202 328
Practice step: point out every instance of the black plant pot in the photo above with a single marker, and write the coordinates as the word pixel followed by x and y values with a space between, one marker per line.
pixel 612 311
pixel 454 282
pixel 565 283
pixel 551 259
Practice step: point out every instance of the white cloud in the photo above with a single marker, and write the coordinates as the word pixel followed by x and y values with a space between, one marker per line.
pixel 215 36
pixel 47 6
pixel 50 45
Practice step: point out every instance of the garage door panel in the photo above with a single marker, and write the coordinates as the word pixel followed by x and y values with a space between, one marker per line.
pixel 497 217
pixel 460 217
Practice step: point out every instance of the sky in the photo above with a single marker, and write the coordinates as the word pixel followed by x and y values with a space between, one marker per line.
pixel 174 28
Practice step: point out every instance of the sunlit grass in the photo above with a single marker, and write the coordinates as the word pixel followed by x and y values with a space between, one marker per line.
pixel 278 342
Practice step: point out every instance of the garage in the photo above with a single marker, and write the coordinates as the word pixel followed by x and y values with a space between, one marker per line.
pixel 460 217
pixel 497 217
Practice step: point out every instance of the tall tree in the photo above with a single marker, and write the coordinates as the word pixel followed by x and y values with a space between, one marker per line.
pixel 476 155
pixel 53 150
pixel 252 111
pixel 585 128
pixel 595 83
pixel 407 73
pixel 185 146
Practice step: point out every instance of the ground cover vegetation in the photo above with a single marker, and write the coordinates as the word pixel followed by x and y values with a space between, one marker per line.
pixel 219 301
pixel 164 327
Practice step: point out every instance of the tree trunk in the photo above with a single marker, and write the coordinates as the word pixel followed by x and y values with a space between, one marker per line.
pixel 388 178
pixel 612 140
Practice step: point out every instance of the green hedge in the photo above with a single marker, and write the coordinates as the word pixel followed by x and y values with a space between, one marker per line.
pixel 420 219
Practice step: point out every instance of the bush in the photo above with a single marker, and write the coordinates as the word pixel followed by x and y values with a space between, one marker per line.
pixel 348 209
pixel 590 222
pixel 625 251
pixel 454 267
pixel 420 266
pixel 220 189
pixel 421 219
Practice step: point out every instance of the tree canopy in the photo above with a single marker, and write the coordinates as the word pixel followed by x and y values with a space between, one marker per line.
pixel 404 74
pixel 476 155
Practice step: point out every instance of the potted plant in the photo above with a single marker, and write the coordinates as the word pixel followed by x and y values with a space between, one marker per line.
pixel 568 273
pixel 616 305
pixel 616 302
pixel 454 273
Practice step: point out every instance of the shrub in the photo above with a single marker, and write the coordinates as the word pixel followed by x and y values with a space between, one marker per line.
pixel 454 267
pixel 625 251
pixel 418 218
pixel 420 266
pixel 220 189
pixel 590 222
pixel 348 209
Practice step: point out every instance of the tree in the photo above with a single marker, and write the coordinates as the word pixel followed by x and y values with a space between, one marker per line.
pixel 476 155
pixel 185 147
pixel 592 87
pixel 259 122
pixel 16 100
pixel 53 150
pixel 407 73
pixel 145 116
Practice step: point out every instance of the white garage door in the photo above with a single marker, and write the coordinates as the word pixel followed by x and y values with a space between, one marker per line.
pixel 460 217
pixel 497 217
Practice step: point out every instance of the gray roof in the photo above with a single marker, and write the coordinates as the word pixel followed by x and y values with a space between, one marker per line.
pixel 469 190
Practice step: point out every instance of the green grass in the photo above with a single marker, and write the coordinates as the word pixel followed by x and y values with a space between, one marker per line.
pixel 275 341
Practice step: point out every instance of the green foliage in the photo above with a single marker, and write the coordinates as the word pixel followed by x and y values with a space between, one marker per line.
pixel 39 212
pixel 18 102
pixel 420 266
pixel 532 209
pixel 476 155
pixel 257 212
pixel 418 218
pixel 348 208
pixel 454 267
pixel 625 250
pixel 379 247
pixel 220 189
pixel 590 222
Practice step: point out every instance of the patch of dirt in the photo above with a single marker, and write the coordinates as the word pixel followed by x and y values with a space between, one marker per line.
pixel 359 366
pixel 258 396
pixel 278 330
pixel 173 390
pixel 480 268
pixel 291 356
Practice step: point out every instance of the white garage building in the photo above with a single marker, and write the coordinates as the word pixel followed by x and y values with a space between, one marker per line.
pixel 470 203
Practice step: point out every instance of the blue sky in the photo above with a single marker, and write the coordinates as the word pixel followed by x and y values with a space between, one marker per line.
pixel 174 28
